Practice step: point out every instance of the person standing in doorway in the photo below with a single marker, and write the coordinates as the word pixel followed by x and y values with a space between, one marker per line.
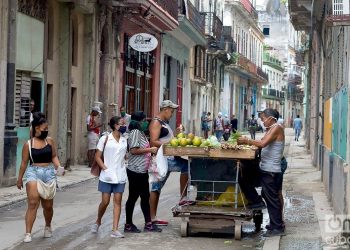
pixel 44 165
pixel 126 117
pixel 204 124
pixel 31 111
pixel 113 175
pixel 219 126
pixel 93 128
pixel 298 126
pixel 234 124
pixel 252 125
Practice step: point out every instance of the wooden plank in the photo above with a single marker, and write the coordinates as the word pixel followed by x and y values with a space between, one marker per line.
pixel 232 154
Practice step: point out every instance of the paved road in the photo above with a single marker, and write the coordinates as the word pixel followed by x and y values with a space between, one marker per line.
pixel 75 210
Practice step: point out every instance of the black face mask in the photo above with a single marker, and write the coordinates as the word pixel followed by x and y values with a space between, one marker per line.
pixel 43 134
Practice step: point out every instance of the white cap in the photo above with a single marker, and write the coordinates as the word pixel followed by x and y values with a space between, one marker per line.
pixel 97 109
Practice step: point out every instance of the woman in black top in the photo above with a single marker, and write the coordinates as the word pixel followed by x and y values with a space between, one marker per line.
pixel 44 164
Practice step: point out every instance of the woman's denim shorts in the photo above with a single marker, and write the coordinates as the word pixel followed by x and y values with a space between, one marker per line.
pixel 45 174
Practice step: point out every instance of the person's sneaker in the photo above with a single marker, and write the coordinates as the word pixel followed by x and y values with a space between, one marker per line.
pixel 27 238
pixel 94 228
pixel 150 227
pixel 117 234
pixel 131 228
pixel 47 232
pixel 257 206
pixel 274 232
pixel 158 222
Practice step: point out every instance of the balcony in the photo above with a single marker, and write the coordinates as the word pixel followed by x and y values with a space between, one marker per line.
pixel 295 75
pixel 295 96
pixel 169 6
pixel 242 65
pixel 229 44
pixel 161 15
pixel 272 62
pixel 300 13
pixel 245 6
pixel 262 74
pixel 196 18
pixel 213 25
pixel 338 20
pixel 274 94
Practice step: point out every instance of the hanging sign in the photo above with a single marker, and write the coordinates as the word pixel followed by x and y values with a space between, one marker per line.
pixel 143 42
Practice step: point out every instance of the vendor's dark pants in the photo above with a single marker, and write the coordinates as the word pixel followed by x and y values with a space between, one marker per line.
pixel 271 185
pixel 249 179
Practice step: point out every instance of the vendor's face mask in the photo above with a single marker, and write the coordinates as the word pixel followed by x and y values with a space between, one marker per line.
pixel 268 119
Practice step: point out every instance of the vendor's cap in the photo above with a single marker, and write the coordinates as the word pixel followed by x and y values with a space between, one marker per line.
pixel 219 114
pixel 97 109
pixel 138 116
pixel 168 104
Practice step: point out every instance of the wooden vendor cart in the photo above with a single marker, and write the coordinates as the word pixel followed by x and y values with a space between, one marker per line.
pixel 213 190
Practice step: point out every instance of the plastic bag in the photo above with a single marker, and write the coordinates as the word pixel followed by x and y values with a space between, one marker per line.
pixel 158 167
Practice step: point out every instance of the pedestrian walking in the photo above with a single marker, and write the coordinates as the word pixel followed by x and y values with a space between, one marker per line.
pixel 272 146
pixel 113 175
pixel 126 117
pixel 234 124
pixel 138 163
pixel 161 133
pixel 298 126
pixel 93 128
pixel 227 128
pixel 219 126
pixel 252 126
pixel 204 124
pixel 40 152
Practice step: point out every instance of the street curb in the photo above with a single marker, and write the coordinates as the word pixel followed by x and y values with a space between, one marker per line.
pixel 20 199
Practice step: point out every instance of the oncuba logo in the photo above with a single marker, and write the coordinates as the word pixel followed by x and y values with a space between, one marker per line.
pixel 143 42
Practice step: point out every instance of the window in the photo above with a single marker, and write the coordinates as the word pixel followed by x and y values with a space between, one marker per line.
pixel 338 7
pixel 138 79
pixel 75 40
pixel 199 62
pixel 266 30
pixel 222 76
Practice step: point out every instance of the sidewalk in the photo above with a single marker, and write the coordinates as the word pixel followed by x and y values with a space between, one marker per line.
pixel 305 201
pixel 79 173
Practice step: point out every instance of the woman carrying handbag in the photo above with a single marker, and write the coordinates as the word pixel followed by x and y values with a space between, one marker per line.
pixel 40 175
pixel 113 176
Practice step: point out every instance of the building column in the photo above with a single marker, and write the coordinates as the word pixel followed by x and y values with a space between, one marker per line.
pixel 10 136
pixel 64 85
pixel 3 75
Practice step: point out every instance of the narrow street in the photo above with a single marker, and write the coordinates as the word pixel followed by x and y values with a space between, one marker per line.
pixel 75 210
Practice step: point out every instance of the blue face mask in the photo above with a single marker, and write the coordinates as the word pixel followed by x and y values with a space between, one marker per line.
pixel 122 129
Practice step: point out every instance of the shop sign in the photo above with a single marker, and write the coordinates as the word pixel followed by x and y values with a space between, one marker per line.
pixel 143 42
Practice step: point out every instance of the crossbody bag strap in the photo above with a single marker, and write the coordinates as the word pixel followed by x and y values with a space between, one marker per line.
pixel 30 149
pixel 104 145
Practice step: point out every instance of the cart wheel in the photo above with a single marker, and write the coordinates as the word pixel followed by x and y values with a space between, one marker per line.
pixel 184 228
pixel 238 231
pixel 258 219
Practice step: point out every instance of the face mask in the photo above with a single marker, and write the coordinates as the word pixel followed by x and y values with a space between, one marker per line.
pixel 144 126
pixel 43 134
pixel 122 129
pixel 267 120
pixel 123 113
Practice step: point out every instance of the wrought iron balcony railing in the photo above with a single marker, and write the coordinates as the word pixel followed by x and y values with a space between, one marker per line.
pixel 273 93
pixel 196 18
pixel 213 25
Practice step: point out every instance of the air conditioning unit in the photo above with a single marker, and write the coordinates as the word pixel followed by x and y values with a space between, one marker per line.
pixel 341 7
